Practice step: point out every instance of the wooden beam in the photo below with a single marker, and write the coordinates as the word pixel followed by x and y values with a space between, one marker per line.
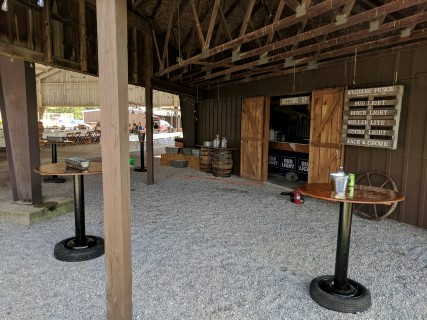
pixel 134 55
pixel 368 55
pixel 322 7
pixel 293 4
pixel 198 28
pixel 351 21
pixel 47 32
pixel 315 49
pixel 276 18
pixel 113 82
pixel 156 8
pixel 137 4
pixel 157 48
pixel 212 23
pixel 148 73
pixel 138 22
pixel 245 21
pixel 83 35
pixel 168 33
pixel 305 4
pixel 224 25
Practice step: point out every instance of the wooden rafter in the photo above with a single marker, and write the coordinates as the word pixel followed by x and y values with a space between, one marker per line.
pixel 293 4
pixel 311 12
pixel 137 4
pixel 212 23
pixel 223 22
pixel 391 26
pixel 304 4
pixel 276 18
pixel 246 20
pixel 157 48
pixel 353 20
pixel 269 73
pixel 168 33
pixel 344 15
pixel 197 24
pixel 156 8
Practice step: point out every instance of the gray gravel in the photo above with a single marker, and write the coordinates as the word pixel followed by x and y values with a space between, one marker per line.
pixel 212 248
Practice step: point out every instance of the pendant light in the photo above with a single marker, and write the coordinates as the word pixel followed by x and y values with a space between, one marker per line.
pixel 40 3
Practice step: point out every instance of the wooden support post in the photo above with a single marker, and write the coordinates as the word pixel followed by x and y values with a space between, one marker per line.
pixel 148 73
pixel 18 102
pixel 82 35
pixel 134 55
pixel 47 32
pixel 113 81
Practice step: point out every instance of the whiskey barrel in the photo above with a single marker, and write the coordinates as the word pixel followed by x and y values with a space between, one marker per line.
pixel 205 159
pixel 222 163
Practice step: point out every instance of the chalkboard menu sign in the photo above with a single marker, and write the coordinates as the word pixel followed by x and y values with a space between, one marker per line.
pixel 371 117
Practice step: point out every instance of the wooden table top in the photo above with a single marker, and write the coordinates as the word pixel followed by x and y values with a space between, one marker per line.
pixel 361 194
pixel 60 169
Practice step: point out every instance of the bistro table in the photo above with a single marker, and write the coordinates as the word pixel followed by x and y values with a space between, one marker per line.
pixel 338 292
pixel 81 247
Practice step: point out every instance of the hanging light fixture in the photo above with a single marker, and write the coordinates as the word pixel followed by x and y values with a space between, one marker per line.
pixel 40 3
pixel 4 5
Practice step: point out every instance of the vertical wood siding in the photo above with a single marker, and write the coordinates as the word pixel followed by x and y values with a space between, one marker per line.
pixel 407 165
pixel 221 116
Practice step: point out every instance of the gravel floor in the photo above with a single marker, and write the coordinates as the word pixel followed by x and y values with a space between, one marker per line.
pixel 212 248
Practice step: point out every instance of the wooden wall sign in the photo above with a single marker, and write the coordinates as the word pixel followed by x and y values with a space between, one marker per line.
pixel 371 117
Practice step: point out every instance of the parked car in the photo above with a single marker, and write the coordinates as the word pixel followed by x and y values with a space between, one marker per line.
pixel 162 125
pixel 71 123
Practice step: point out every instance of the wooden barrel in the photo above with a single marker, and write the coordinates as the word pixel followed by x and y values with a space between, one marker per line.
pixel 222 163
pixel 205 159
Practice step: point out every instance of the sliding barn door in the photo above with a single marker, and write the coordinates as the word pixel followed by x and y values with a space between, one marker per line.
pixel 326 151
pixel 254 138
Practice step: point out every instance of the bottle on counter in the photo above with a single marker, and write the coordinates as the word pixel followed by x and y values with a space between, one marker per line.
pixel 224 142
pixel 217 142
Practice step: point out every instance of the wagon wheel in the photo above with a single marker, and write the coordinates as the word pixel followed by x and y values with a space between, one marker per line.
pixel 375 211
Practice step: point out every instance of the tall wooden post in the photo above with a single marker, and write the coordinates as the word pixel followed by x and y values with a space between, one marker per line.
pixel 113 80
pixel 18 101
pixel 148 73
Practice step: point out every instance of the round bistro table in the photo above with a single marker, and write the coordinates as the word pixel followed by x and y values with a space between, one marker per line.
pixel 338 292
pixel 81 247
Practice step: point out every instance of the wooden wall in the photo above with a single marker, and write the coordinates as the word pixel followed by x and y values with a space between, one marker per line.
pixel 221 116
pixel 407 165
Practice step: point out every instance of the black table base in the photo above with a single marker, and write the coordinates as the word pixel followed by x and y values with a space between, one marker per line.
pixel 81 247
pixel 354 298
pixel 71 250
pixel 54 179
pixel 141 144
pixel 337 292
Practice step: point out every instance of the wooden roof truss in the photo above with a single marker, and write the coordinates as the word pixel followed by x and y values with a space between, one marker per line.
pixel 199 43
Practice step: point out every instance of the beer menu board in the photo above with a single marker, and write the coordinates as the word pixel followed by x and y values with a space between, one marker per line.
pixel 371 117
